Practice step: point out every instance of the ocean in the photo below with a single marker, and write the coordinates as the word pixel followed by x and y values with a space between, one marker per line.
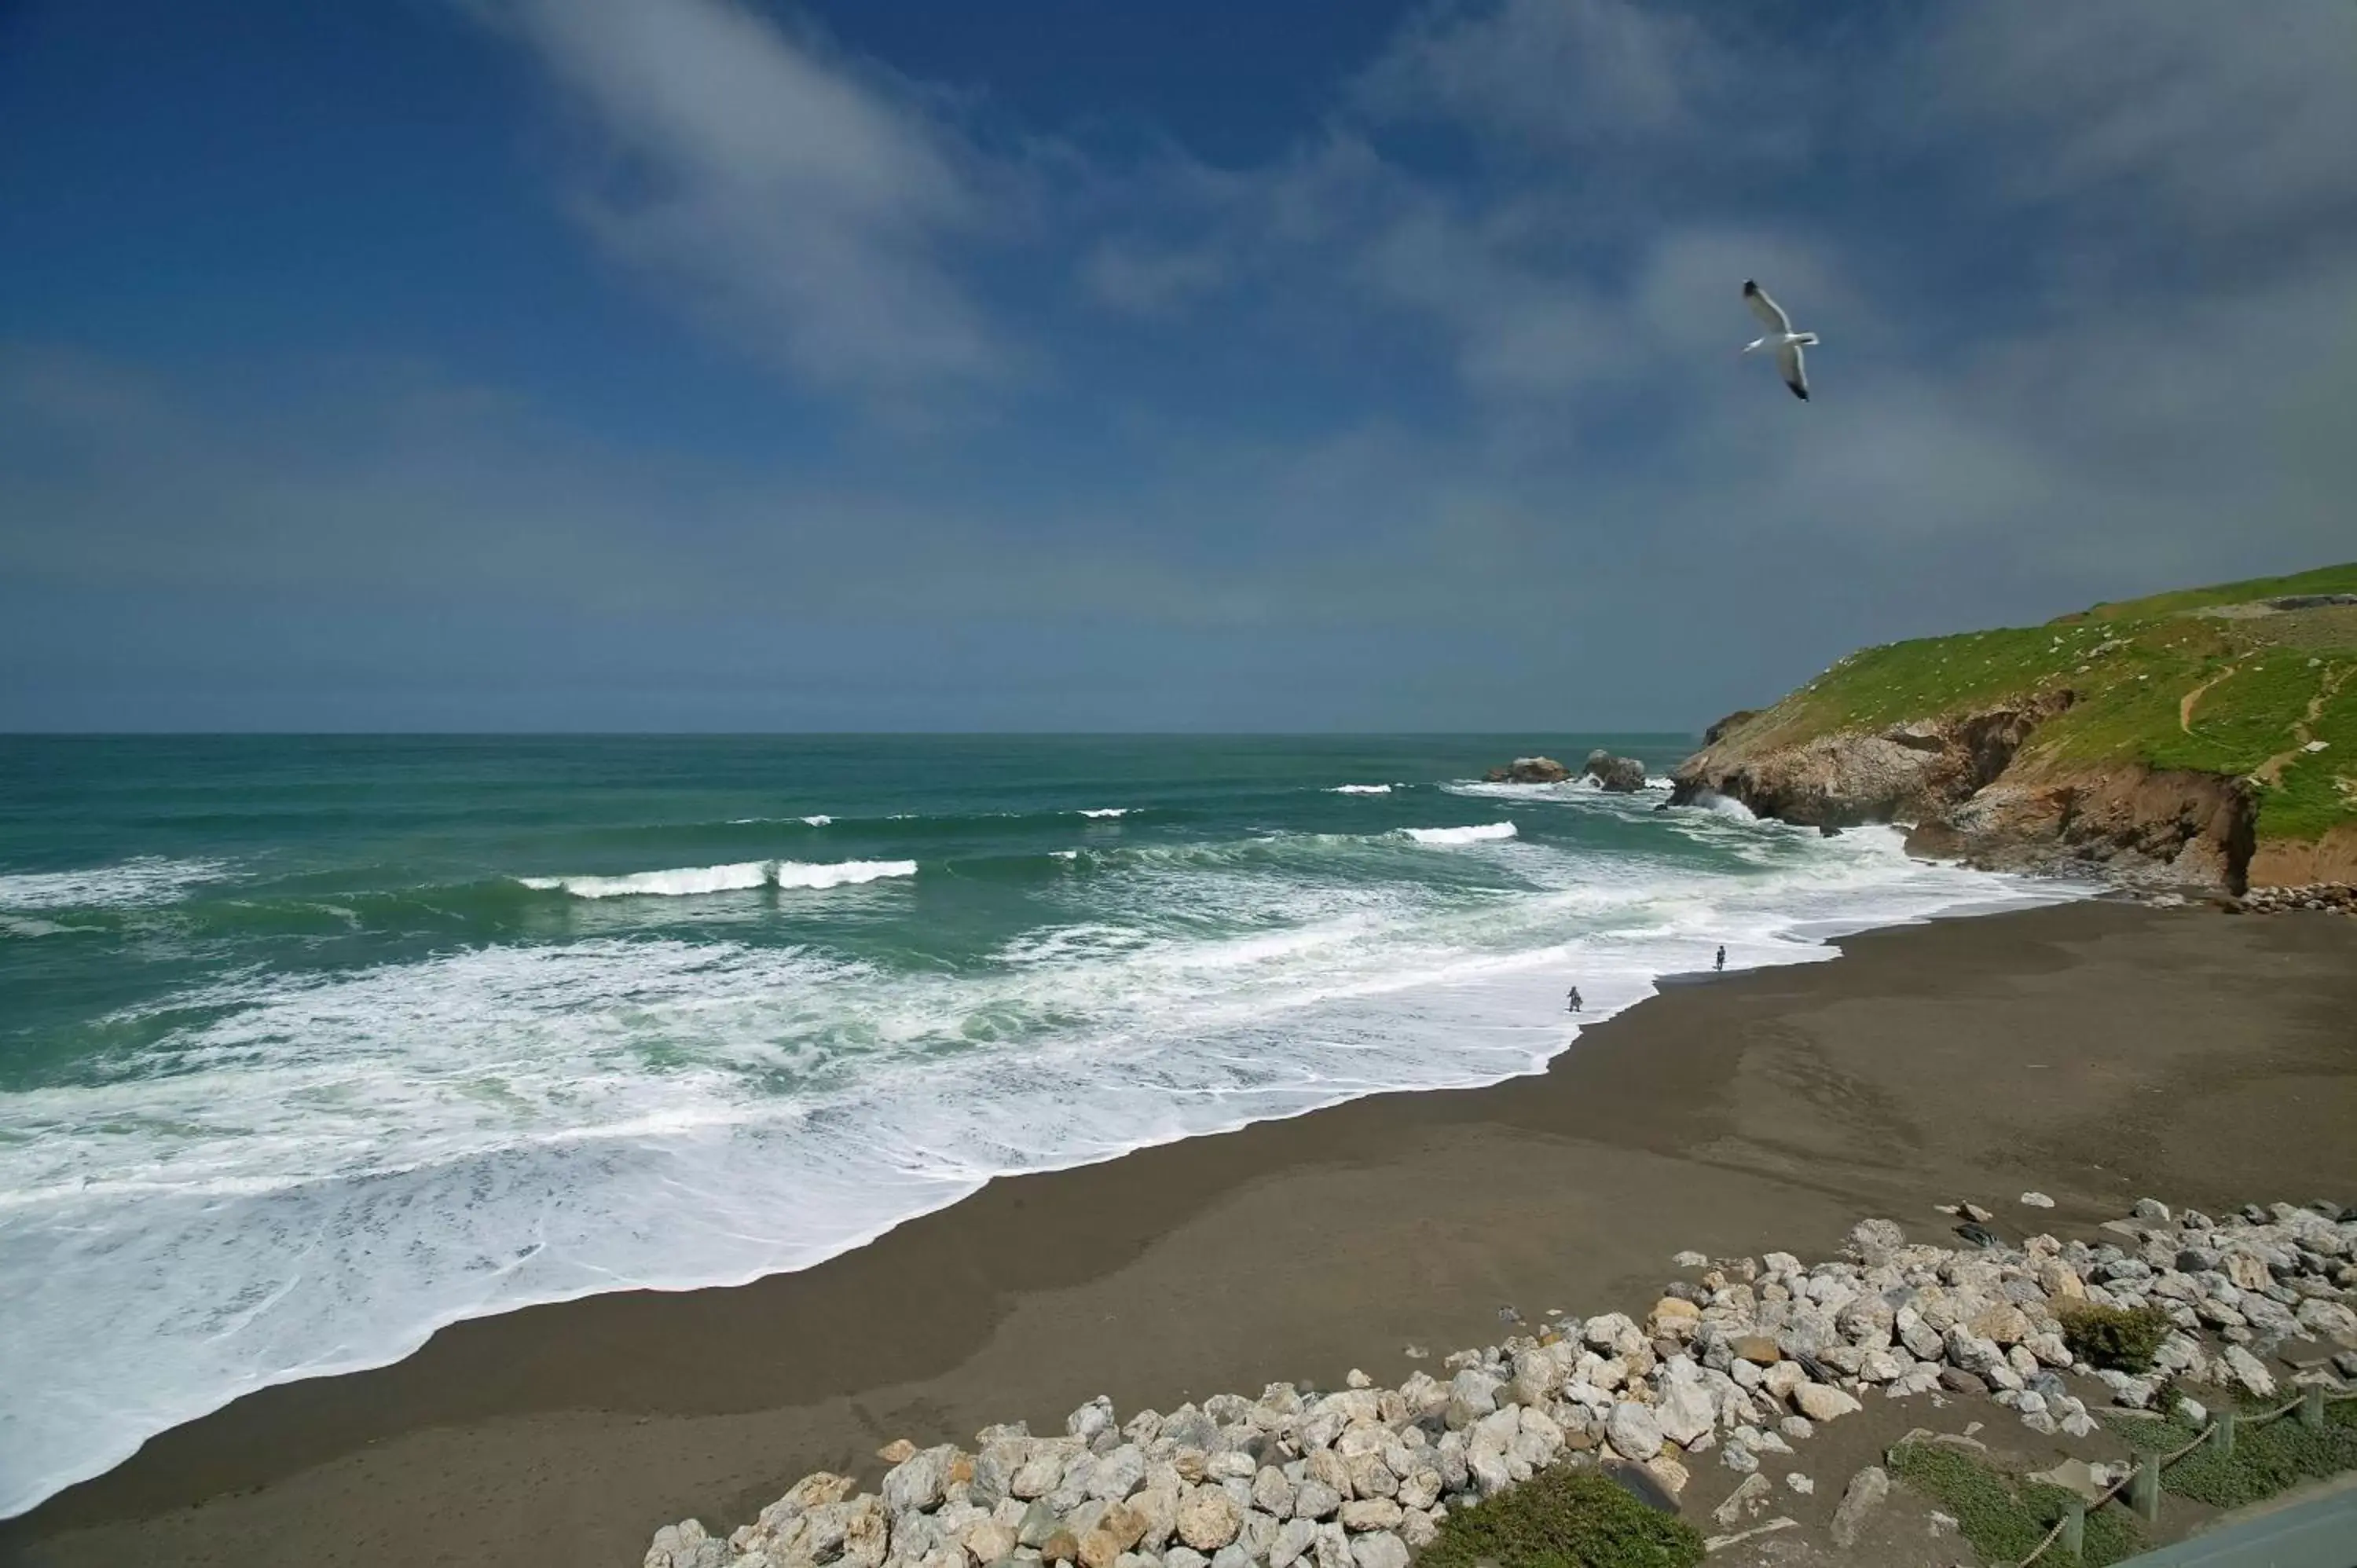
pixel 310 1045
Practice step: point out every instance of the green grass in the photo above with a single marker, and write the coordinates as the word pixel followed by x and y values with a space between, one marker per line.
pixel 2266 1459
pixel 2323 580
pixel 2004 1516
pixel 1564 1518
pixel 2125 699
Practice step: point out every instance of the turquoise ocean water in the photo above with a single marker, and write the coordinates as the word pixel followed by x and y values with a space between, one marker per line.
pixel 310 1045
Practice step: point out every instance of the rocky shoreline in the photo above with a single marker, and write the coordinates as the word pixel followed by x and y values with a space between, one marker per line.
pixel 1957 786
pixel 1738 1358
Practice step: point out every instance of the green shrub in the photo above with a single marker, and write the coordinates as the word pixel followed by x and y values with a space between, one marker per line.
pixel 2002 1517
pixel 2115 1337
pixel 1564 1518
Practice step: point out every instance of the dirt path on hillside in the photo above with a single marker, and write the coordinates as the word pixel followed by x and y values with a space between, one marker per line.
pixel 2185 704
pixel 2270 772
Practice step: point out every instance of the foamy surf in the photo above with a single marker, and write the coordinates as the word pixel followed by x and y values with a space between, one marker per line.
pixel 137 884
pixel 389 1096
pixel 1357 789
pixel 744 877
pixel 1478 833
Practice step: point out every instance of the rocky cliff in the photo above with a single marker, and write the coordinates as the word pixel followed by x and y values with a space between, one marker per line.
pixel 2188 740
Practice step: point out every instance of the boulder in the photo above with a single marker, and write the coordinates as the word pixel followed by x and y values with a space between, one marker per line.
pixel 1674 1319
pixel 1685 1412
pixel 916 1483
pixel 1472 1396
pixel 1821 1403
pixel 2002 1324
pixel 1872 1242
pixel 1295 1536
pixel 1616 775
pixel 1370 1513
pixel 1208 1519
pixel 1632 1432
pixel 988 1541
pixel 1864 1494
pixel 2247 1370
pixel 1118 1472
pixel 1529 770
pixel 1314 1500
pixel 1753 1494
pixel 1379 1549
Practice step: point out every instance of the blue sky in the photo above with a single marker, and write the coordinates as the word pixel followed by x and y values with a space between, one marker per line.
pixel 734 364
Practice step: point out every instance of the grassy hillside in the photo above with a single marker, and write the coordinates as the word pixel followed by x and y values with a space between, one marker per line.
pixel 2203 679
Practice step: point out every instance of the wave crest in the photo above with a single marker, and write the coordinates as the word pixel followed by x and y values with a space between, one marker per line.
pixel 744 877
pixel 1474 834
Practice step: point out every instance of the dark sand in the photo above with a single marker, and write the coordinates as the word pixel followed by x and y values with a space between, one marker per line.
pixel 2096 1052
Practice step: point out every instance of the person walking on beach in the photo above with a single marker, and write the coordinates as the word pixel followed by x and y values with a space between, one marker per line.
pixel 1572 1002
pixel 1719 964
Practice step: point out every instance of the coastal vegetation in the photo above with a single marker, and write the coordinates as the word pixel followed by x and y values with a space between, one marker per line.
pixel 2264 1461
pixel 1564 1517
pixel 2122 1338
pixel 2059 728
pixel 2005 1516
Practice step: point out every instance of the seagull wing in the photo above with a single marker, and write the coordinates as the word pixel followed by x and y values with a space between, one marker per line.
pixel 1765 309
pixel 1795 368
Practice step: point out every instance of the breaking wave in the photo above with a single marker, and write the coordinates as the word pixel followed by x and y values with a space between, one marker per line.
pixel 744 877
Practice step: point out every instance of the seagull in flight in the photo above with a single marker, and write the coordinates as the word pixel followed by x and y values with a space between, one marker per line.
pixel 1781 337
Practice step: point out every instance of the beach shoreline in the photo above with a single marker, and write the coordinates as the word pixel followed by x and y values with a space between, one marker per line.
pixel 2093 1050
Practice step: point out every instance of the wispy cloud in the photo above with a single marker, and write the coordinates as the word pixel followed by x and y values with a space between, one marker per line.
pixel 1566 75
pixel 804 205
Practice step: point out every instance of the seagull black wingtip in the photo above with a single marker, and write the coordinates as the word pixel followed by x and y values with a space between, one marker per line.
pixel 1750 286
pixel 1800 392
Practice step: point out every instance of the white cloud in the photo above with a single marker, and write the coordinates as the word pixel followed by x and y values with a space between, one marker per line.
pixel 1568 73
pixel 804 209
pixel 1147 280
pixel 2231 119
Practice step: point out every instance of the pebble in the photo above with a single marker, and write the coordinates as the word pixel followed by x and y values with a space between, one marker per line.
pixel 2036 1200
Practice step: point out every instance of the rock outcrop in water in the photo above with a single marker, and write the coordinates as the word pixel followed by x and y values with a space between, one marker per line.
pixel 1529 770
pixel 1618 775
pixel 1730 1366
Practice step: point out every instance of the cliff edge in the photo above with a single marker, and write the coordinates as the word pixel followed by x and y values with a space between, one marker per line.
pixel 2204 739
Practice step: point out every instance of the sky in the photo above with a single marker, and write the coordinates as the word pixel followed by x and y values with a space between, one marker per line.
pixel 1292 365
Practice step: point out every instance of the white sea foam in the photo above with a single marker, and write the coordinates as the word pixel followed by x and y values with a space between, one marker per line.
pixel 1107 812
pixel 1360 789
pixel 328 1166
pixel 1474 834
pixel 743 877
pixel 685 882
pixel 840 874
pixel 141 882
pixel 819 820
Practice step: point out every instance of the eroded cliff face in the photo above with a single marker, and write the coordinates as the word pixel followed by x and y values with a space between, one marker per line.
pixel 1970 787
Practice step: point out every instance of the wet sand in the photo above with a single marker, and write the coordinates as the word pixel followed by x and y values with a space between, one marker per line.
pixel 2095 1052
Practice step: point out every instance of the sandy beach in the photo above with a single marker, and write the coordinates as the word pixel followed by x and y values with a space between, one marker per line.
pixel 2094 1051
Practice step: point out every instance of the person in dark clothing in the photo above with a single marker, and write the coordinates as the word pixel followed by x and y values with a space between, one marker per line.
pixel 1572 1002
pixel 1720 963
